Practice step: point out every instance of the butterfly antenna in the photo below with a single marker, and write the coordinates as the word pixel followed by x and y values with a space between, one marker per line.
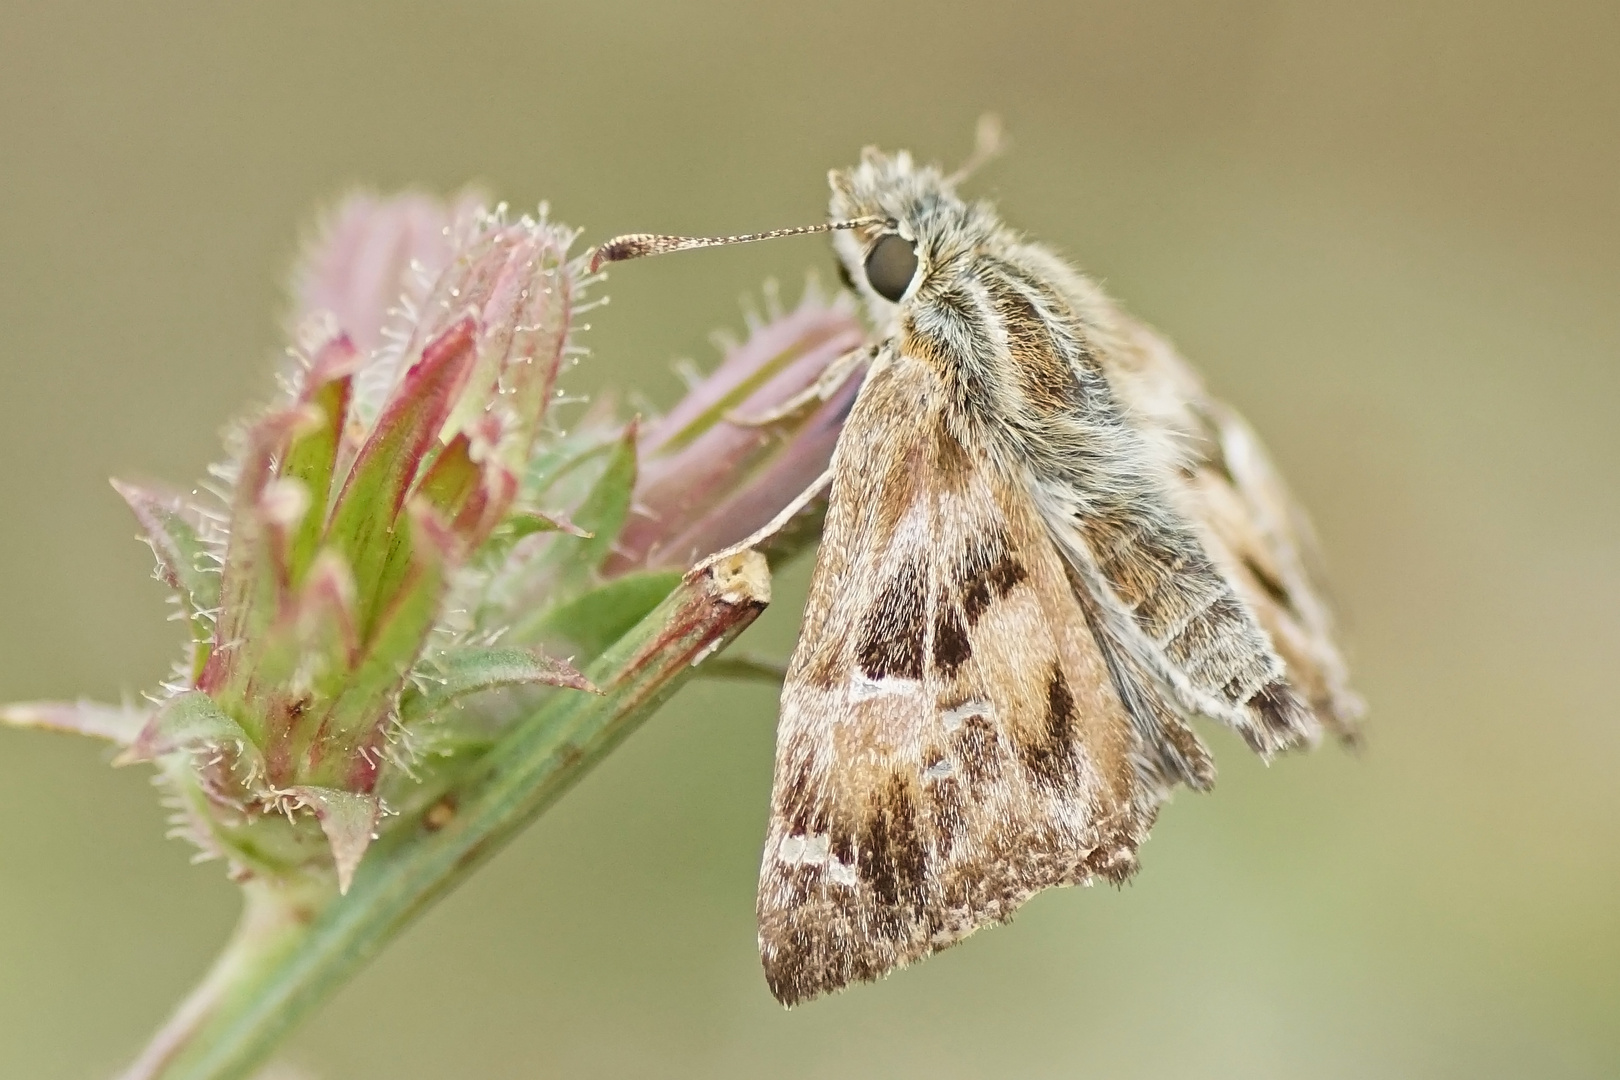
pixel 637 245
pixel 989 143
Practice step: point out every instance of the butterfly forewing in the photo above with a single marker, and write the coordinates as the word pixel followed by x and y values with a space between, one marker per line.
pixel 954 745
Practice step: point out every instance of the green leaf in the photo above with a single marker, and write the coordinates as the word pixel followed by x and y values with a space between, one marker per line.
pixel 529 522
pixel 553 464
pixel 596 619
pixel 603 512
pixel 397 641
pixel 254 581
pixel 458 672
pixel 258 998
pixel 189 721
pixel 312 455
pixel 569 567
pixel 452 479
pixel 523 523
pixel 349 820
pixel 744 668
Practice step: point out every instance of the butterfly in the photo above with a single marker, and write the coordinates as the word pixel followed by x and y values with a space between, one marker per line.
pixel 1046 550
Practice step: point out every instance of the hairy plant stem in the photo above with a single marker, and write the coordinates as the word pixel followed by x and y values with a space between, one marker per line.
pixel 275 919
pixel 293 949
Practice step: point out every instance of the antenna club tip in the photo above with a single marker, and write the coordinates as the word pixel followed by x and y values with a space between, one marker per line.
pixel 606 252
pixel 628 246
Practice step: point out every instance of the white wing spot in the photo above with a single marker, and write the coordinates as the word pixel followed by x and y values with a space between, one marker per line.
pixel 958 715
pixel 806 850
pixel 863 687
pixel 939 770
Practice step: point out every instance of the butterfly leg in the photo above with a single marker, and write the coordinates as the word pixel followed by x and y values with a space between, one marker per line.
pixel 836 374
pixel 800 503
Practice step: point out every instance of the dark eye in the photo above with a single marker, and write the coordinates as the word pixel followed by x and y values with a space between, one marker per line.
pixel 890 266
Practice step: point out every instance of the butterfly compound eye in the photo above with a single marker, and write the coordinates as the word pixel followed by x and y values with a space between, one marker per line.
pixel 890 266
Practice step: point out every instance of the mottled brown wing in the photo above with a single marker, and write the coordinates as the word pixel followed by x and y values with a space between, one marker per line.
pixel 1250 523
pixel 950 740
pixel 1258 533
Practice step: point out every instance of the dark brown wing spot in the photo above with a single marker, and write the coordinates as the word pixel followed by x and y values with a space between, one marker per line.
pixel 951 646
pixel 987 570
pixel 975 745
pixel 843 841
pixel 945 797
pixel 1050 753
pixel 891 641
pixel 808 816
pixel 952 467
pixel 893 859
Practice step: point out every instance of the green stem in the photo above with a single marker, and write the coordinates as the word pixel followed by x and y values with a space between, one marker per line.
pixel 265 984
pixel 274 920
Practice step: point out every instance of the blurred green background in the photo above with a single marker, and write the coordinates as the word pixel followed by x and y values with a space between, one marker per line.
pixel 1388 231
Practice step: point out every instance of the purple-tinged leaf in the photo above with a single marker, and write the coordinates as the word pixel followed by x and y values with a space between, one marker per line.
pixel 777 361
pixel 120 724
pixel 759 496
pixel 254 578
pixel 706 474
pixel 186 564
pixel 469 490
pixel 520 289
pixel 349 821
pixel 365 257
pixel 453 478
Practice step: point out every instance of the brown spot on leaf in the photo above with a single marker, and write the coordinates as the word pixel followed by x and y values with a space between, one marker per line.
pixel 440 813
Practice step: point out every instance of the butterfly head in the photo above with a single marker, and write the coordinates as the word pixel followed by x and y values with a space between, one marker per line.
pixel 919 230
